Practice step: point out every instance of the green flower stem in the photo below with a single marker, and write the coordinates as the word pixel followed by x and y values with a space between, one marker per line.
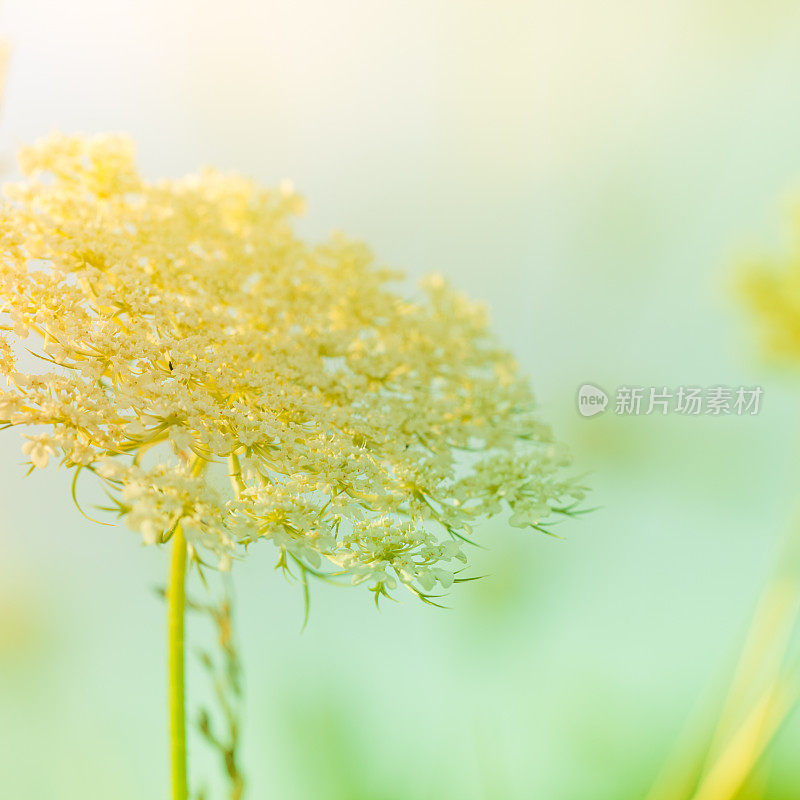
pixel 239 486
pixel 176 604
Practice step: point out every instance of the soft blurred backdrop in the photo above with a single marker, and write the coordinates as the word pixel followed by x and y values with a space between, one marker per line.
pixel 594 172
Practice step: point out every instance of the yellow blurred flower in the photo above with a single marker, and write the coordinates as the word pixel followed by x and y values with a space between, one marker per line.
pixel 773 292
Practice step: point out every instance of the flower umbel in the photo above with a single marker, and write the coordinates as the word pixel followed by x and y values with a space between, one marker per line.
pixel 216 372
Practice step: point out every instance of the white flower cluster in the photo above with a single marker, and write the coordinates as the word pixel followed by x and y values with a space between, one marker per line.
pixel 217 372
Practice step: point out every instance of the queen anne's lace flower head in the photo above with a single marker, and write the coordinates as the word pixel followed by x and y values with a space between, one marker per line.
pixel 215 371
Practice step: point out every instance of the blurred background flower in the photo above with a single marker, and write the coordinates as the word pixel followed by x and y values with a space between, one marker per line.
pixel 593 171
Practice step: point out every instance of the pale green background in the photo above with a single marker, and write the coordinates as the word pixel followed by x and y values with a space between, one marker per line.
pixel 593 171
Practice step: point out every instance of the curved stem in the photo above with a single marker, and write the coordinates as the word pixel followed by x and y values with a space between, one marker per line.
pixel 176 604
